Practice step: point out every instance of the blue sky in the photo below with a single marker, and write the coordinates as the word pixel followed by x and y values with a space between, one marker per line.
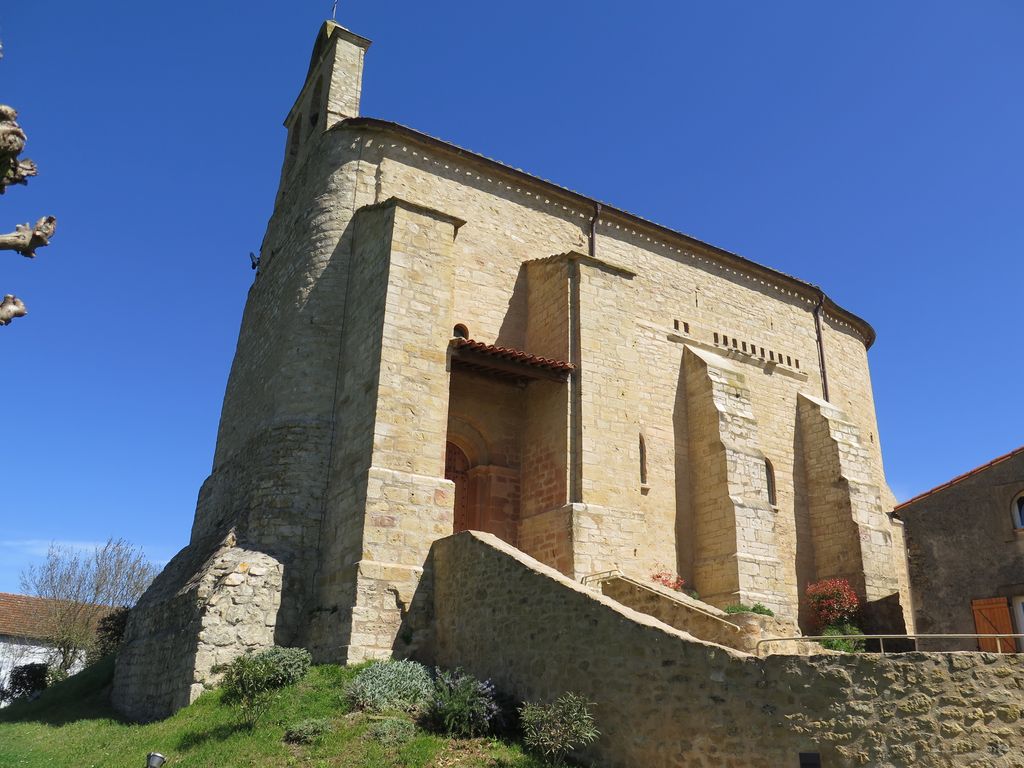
pixel 872 148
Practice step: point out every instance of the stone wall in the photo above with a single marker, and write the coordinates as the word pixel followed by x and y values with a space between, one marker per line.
pixel 665 699
pixel 735 554
pixel 963 545
pixel 197 614
pixel 389 499
pixel 740 631
pixel 642 300
pixel 700 620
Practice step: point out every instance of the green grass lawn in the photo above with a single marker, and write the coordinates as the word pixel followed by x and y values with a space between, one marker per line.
pixel 73 724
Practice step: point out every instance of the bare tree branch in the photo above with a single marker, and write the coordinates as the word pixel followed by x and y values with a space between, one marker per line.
pixel 10 308
pixel 81 588
pixel 12 142
pixel 17 172
pixel 26 238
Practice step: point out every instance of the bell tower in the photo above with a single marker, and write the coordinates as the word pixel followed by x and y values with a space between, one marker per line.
pixel 330 93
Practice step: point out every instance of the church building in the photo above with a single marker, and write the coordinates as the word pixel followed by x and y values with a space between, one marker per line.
pixel 437 342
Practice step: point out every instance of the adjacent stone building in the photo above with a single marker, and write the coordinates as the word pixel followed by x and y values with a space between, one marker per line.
pixel 437 342
pixel 965 545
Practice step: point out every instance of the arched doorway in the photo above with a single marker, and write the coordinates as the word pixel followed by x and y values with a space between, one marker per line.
pixel 456 469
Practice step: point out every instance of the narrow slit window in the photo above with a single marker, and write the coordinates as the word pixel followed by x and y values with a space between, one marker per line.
pixel 769 472
pixel 643 461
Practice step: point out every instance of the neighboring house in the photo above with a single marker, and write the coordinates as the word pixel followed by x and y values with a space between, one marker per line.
pixel 965 546
pixel 24 627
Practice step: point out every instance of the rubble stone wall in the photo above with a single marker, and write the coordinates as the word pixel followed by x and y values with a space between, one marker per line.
pixel 664 699
pixel 199 613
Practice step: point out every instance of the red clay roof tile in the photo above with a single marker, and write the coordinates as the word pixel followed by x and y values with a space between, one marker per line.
pixel 514 355
pixel 23 616
pixel 958 478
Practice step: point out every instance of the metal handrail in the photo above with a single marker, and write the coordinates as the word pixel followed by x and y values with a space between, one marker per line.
pixel 601 576
pixel 882 638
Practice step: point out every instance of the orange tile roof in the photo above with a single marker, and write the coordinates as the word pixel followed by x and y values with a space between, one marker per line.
pixel 958 478
pixel 514 356
pixel 23 616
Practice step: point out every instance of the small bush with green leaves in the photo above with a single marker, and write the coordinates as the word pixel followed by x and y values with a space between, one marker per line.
pixel 251 681
pixel 847 644
pixel 392 731
pixel 307 731
pixel 759 608
pixel 554 730
pixel 387 686
pixel 289 664
pixel 462 706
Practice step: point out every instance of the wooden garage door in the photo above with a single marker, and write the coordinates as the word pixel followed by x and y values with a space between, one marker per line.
pixel 992 617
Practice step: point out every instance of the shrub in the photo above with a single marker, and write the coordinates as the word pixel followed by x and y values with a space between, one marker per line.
pixel 462 706
pixel 832 601
pixel 847 644
pixel 109 631
pixel 391 685
pixel 669 579
pixel 759 608
pixel 308 730
pixel 55 674
pixel 392 731
pixel 288 665
pixel 26 680
pixel 554 730
pixel 251 681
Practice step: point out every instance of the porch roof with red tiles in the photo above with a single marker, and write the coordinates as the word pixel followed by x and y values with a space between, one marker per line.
pixel 508 361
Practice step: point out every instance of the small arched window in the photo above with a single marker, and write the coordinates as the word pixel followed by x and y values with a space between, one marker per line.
pixel 643 461
pixel 1017 510
pixel 769 472
pixel 460 331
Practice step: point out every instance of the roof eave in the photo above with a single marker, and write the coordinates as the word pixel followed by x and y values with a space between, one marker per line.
pixel 807 290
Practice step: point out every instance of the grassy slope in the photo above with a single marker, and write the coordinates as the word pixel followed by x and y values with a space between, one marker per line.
pixel 73 724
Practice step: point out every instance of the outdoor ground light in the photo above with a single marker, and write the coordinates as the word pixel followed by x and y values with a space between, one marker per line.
pixel 155 760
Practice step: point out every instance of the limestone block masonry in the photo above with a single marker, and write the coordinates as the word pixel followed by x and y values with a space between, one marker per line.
pixel 638 400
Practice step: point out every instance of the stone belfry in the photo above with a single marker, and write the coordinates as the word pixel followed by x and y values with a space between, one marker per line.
pixel 437 342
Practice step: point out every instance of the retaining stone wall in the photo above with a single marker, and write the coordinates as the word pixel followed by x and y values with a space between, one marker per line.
pixel 664 699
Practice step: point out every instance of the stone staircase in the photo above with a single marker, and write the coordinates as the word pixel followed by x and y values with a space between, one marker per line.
pixel 740 631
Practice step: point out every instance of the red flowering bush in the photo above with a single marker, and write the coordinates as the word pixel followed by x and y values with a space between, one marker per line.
pixel 832 602
pixel 669 579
